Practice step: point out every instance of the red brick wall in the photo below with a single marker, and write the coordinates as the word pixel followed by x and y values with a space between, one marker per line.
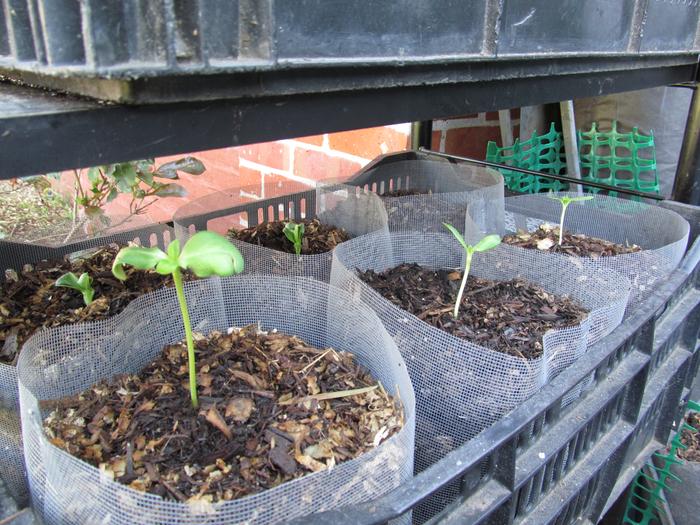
pixel 264 170
pixel 469 135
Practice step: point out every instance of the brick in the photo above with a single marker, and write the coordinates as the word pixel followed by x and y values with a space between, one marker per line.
pixel 316 140
pixel 471 142
pixel 270 154
pixel 369 143
pixel 435 140
pixel 318 166
pixel 515 113
pixel 492 115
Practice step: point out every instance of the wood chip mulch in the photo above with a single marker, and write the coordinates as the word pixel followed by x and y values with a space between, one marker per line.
pixel 546 238
pixel 30 301
pixel 691 439
pixel 318 238
pixel 506 316
pixel 266 416
pixel 401 193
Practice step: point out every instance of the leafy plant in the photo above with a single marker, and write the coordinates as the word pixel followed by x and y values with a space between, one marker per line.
pixel 83 284
pixel 205 254
pixel 294 232
pixel 487 243
pixel 140 179
pixel 565 201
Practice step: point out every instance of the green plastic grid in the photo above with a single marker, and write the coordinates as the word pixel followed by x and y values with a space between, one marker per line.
pixel 646 491
pixel 540 153
pixel 623 160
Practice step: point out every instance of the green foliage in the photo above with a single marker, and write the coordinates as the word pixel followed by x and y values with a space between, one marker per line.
pixel 565 201
pixel 487 243
pixel 294 232
pixel 205 254
pixel 83 284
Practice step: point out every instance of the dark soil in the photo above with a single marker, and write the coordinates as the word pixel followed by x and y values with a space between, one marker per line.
pixel 263 419
pixel 318 237
pixel 506 316
pixel 546 238
pixel 30 301
pixel 691 439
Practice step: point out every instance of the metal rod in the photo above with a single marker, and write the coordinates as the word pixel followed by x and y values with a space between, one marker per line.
pixel 686 184
pixel 562 178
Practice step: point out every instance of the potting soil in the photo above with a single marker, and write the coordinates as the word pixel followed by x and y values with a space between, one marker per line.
pixel 317 238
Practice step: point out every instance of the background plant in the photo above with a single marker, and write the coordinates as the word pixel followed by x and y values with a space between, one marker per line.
pixel 205 254
pixel 95 187
pixel 294 232
pixel 565 201
pixel 83 284
pixel 487 243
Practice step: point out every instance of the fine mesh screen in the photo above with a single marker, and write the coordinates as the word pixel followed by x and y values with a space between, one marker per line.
pixel 448 190
pixel 347 207
pixel 13 256
pixel 462 388
pixel 661 233
pixel 65 360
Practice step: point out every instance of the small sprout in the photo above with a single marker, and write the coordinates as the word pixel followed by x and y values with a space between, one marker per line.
pixel 83 284
pixel 487 243
pixel 206 254
pixel 294 232
pixel 565 201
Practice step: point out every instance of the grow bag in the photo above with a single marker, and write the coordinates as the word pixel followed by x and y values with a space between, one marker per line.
pixel 13 257
pixel 661 233
pixel 355 211
pixel 461 387
pixel 446 191
pixel 66 360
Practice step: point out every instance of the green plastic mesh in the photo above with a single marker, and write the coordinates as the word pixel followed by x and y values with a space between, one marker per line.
pixel 540 153
pixel 646 492
pixel 623 160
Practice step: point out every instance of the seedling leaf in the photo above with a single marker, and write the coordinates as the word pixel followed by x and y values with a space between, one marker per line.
pixel 83 284
pixel 294 232
pixel 138 257
pixel 487 243
pixel 457 235
pixel 208 253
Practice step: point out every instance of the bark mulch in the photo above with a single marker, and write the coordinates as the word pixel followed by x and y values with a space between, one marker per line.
pixel 402 193
pixel 506 316
pixel 691 439
pixel 318 238
pixel 30 301
pixel 266 416
pixel 546 238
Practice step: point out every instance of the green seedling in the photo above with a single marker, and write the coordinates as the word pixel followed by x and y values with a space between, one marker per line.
pixel 205 254
pixel 294 232
pixel 565 201
pixel 83 284
pixel 487 243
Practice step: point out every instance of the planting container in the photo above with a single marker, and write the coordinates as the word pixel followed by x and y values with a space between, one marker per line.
pixel 66 360
pixel 447 191
pixel 357 212
pixel 463 387
pixel 13 257
pixel 661 233
pixel 156 51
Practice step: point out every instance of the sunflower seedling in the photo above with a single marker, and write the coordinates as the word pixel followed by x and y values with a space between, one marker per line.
pixel 205 254
pixel 294 232
pixel 83 284
pixel 487 243
pixel 565 201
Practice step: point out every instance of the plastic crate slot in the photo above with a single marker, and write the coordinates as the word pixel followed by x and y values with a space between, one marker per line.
pixel 536 491
pixel 523 497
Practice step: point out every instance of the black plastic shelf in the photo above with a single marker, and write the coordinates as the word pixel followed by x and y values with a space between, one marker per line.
pixel 41 131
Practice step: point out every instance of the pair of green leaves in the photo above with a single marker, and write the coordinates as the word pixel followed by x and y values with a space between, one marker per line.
pixel 205 253
pixel 565 201
pixel 294 232
pixel 83 284
pixel 487 243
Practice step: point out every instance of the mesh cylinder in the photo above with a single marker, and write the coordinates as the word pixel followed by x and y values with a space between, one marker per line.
pixel 447 189
pixel 461 387
pixel 13 256
pixel 661 233
pixel 347 207
pixel 66 360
